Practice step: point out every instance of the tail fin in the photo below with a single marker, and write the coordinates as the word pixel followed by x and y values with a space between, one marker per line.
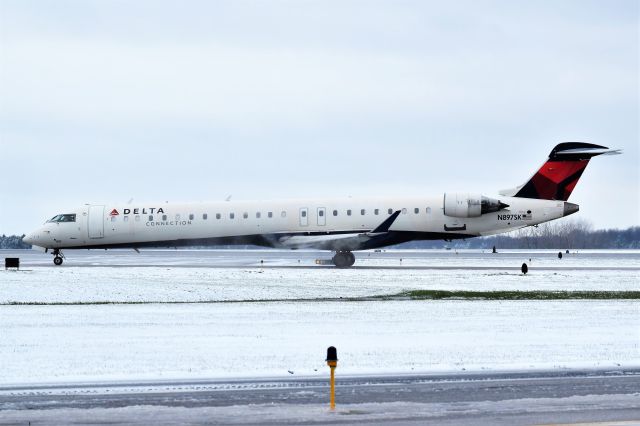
pixel 558 176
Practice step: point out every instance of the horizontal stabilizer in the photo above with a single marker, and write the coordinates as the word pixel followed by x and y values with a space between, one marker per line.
pixel 574 151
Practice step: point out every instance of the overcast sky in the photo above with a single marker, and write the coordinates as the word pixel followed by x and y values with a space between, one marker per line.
pixel 104 101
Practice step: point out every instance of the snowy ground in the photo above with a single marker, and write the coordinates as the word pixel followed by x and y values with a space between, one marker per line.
pixel 118 342
pixel 190 276
pixel 59 343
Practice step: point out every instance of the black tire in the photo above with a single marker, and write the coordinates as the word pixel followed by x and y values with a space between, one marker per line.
pixel 57 261
pixel 343 259
pixel 339 260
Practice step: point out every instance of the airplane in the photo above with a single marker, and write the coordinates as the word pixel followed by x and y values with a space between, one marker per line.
pixel 342 225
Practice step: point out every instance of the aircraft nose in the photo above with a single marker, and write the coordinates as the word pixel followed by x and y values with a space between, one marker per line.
pixel 28 238
pixel 33 238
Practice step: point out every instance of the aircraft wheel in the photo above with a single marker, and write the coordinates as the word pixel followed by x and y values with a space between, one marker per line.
pixel 57 260
pixel 344 259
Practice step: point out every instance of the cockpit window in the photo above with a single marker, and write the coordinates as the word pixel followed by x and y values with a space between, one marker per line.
pixel 63 218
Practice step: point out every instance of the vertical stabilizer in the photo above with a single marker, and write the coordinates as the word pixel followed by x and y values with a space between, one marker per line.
pixel 558 176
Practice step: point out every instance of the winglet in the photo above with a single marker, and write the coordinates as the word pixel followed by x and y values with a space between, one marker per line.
pixel 384 226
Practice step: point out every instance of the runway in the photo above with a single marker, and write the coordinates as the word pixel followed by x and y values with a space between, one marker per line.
pixel 443 260
pixel 509 398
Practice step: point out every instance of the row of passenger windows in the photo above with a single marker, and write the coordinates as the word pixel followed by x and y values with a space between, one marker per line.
pixel 389 211
pixel 283 214
pixel 205 216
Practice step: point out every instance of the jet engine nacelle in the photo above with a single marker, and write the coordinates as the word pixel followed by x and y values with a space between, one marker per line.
pixel 470 205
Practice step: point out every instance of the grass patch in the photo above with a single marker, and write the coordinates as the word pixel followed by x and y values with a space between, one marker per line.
pixel 518 295
pixel 405 295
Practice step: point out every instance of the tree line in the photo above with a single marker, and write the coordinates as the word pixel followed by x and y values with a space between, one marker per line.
pixel 569 234
pixel 13 242
pixel 577 234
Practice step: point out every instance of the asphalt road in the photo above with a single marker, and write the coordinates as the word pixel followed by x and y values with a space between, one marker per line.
pixel 473 398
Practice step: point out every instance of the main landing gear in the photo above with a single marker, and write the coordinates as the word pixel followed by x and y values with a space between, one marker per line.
pixel 343 259
pixel 57 257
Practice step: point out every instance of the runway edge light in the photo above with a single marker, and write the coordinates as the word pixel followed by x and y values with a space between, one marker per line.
pixel 332 362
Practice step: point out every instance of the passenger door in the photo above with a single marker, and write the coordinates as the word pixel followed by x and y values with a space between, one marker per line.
pixel 96 222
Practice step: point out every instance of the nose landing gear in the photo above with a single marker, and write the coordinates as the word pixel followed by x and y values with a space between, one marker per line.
pixel 57 257
pixel 343 259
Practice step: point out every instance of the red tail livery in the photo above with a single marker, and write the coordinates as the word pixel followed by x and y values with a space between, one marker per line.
pixel 559 175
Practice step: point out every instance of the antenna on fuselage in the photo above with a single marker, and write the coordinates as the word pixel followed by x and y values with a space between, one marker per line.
pixel 228 198
pixel 130 201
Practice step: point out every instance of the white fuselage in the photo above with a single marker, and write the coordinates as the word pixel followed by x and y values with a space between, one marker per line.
pixel 329 223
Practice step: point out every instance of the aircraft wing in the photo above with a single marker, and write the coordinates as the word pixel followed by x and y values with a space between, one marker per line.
pixel 339 241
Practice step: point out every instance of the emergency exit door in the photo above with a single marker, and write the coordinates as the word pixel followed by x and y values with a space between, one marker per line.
pixel 322 218
pixel 96 222
pixel 304 216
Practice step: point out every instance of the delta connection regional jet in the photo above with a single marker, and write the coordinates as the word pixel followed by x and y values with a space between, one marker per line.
pixel 342 225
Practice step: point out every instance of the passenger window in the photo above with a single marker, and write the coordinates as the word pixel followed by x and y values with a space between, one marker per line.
pixel 126 218
pixel 138 218
pixel 348 212
pixel 191 216
pixel 113 218
pixel 177 217
pixel 232 215
pixel 404 211
pixel 164 217
pixel 283 214
pixel 218 215
pixel 270 214
pixel 257 215
pixel 150 218
pixel 390 211
pixel 362 212
pixel 335 212
pixel 416 210
pixel 245 215
pixel 204 216
pixel 428 210
pixel 376 211
pixel 303 213
pixel 320 213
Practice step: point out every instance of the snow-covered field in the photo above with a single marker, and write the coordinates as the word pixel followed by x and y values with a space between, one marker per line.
pixel 174 284
pixel 170 276
pixel 120 342
pixel 59 343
